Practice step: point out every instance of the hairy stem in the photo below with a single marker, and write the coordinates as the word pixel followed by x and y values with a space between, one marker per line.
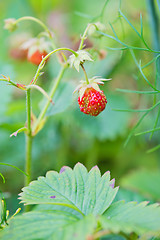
pixel 35 20
pixel 46 57
pixel 28 142
pixel 52 92
pixel 41 24
pixel 85 74
pixel 85 34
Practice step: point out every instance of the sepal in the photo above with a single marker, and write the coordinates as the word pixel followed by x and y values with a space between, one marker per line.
pixel 76 60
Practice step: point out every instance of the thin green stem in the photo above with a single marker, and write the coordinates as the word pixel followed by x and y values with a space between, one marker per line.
pixel 153 149
pixel 148 131
pixel 84 35
pixel 9 165
pixel 35 20
pixel 154 27
pixel 138 92
pixel 154 23
pixel 86 77
pixel 139 35
pixel 41 65
pixel 127 46
pixel 2 177
pixel 41 24
pixel 138 110
pixel 8 81
pixel 41 90
pixel 28 142
pixel 52 92
pixel 155 124
pixel 103 9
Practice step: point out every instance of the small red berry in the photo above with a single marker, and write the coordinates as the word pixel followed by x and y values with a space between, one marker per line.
pixel 36 57
pixel 93 102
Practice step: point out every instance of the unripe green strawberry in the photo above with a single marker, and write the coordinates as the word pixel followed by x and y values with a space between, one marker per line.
pixel 93 102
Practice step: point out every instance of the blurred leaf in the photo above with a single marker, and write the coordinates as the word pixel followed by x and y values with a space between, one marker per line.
pixel 71 188
pixel 128 195
pixel 109 124
pixel 145 182
pixel 62 99
pixel 5 98
pixel 103 67
pixel 132 217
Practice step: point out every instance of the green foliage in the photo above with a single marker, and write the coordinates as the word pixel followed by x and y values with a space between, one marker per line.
pixel 68 204
pixel 50 225
pixel 5 91
pixel 145 182
pixel 110 124
pixel 85 192
pixel 63 98
pixel 76 204
pixel 132 217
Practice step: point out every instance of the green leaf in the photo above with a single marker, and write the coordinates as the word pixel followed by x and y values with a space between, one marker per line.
pixel 47 225
pixel 132 217
pixel 77 189
pixel 145 182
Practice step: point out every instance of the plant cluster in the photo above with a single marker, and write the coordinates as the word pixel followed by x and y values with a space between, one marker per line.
pixel 75 203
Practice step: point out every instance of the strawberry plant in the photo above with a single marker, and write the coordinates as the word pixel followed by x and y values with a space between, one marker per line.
pixel 74 203
pixel 77 204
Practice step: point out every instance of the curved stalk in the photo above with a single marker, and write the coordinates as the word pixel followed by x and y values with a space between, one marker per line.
pixel 84 35
pixel 35 20
pixel 41 65
pixel 41 24
pixel 52 92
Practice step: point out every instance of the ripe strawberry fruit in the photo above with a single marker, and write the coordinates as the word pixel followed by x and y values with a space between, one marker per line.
pixel 36 57
pixel 93 102
pixel 37 48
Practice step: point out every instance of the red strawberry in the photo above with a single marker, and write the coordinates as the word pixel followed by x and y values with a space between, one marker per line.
pixel 92 102
pixel 36 57
pixel 91 99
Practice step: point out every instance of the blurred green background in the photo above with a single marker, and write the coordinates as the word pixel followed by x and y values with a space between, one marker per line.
pixel 69 136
